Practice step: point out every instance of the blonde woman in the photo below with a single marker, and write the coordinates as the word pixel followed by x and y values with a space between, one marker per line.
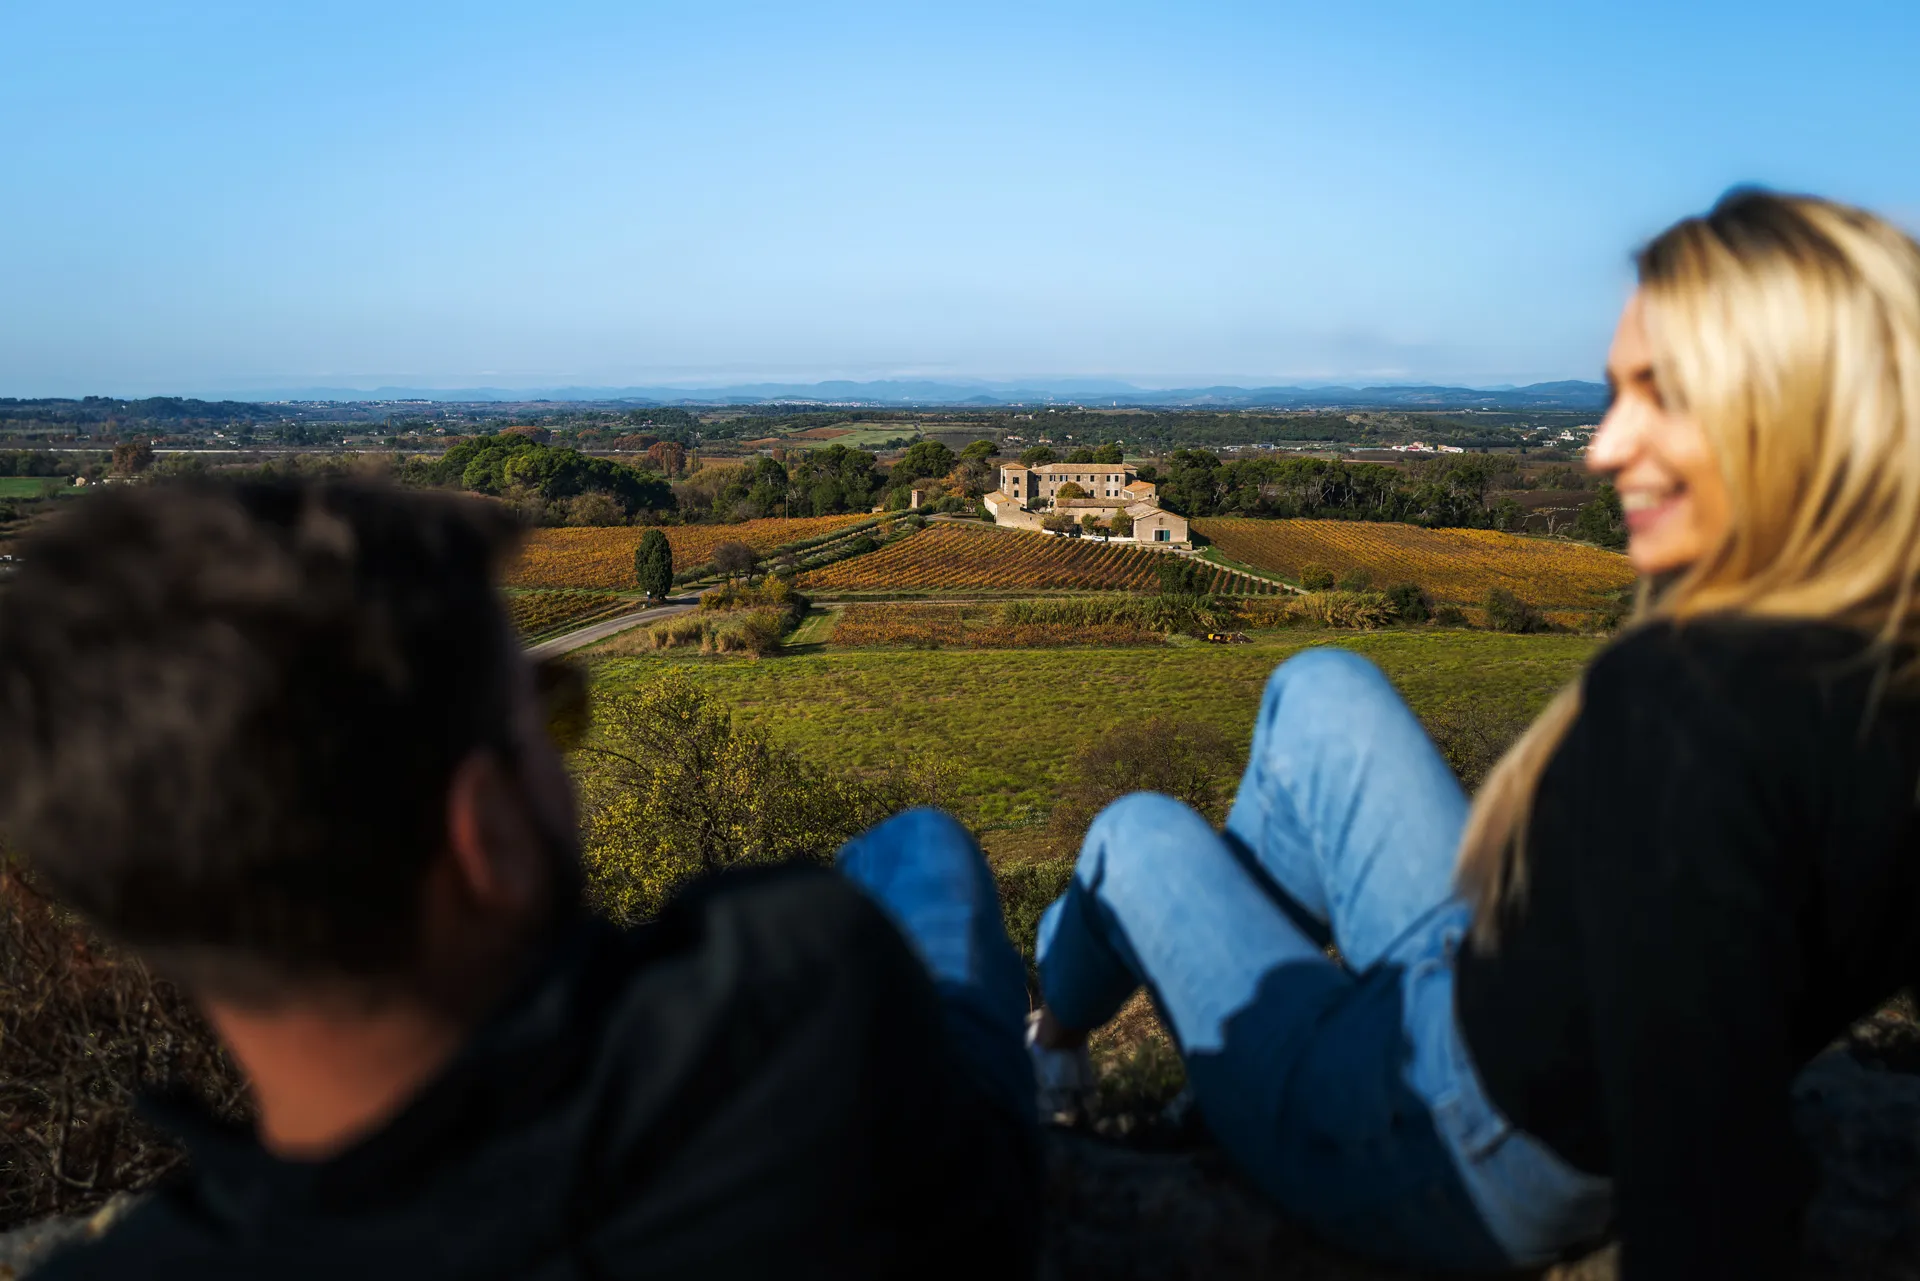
pixel 1576 1006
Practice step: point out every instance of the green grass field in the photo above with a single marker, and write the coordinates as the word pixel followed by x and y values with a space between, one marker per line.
pixel 814 629
pixel 29 486
pixel 1010 721
pixel 862 437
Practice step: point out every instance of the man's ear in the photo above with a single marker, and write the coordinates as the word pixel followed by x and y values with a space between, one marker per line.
pixel 494 849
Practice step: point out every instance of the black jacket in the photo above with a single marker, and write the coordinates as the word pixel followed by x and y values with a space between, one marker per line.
pixel 758 1085
pixel 1723 872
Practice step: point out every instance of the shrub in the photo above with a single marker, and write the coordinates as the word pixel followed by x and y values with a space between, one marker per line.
pixel 1180 576
pixel 1157 613
pixel 1410 602
pixel 1508 613
pixel 671 788
pixel 757 631
pixel 595 507
pixel 775 592
pixel 1026 891
pixel 1600 521
pixel 746 631
pixel 1473 739
pixel 1272 611
pixel 1355 580
pixel 1618 607
pixel 1363 610
pixel 1188 760
pixel 684 629
pixel 1316 578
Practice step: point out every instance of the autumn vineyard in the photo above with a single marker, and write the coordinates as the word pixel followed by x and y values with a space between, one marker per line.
pixel 1454 565
pixel 536 613
pixel 572 576
pixel 950 557
pixel 602 558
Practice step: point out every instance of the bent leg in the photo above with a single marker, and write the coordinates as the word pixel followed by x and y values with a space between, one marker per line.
pixel 927 872
pixel 1347 804
pixel 1158 898
pixel 1296 1063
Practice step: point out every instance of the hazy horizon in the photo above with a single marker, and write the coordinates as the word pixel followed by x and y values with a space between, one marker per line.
pixel 1060 385
pixel 215 197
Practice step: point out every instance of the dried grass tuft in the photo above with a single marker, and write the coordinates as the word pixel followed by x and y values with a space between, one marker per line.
pixel 83 1028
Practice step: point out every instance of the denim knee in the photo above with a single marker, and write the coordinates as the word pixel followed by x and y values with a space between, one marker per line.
pixel 1133 841
pixel 1319 685
pixel 1087 965
pixel 924 843
pixel 1132 849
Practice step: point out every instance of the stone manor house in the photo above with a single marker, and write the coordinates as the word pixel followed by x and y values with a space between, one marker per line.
pixel 1026 494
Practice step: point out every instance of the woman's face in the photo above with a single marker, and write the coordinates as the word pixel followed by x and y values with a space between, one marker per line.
pixel 1670 487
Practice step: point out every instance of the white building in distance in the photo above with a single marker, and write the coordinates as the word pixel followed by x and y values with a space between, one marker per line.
pixel 1027 494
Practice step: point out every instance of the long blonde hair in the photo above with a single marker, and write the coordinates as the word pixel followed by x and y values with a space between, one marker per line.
pixel 1788 327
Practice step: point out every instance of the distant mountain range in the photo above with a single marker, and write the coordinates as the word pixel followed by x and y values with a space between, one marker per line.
pixel 1570 395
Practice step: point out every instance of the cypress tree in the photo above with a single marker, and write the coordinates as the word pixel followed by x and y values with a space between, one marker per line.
pixel 653 564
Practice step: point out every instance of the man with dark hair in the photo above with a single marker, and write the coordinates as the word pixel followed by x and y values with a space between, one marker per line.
pixel 279 739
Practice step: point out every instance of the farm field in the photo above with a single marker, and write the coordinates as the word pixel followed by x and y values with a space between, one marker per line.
pixel 1010 721
pixel 976 558
pixel 602 558
pixel 30 486
pixel 1455 565
pixel 535 613
pixel 853 436
pixel 969 627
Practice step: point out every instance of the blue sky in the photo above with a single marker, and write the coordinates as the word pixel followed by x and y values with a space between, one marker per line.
pixel 214 197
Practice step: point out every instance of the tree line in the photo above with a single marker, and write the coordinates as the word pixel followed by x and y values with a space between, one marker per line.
pixel 1461 490
pixel 836 478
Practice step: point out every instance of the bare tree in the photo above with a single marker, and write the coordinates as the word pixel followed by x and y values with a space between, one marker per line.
pixel 734 558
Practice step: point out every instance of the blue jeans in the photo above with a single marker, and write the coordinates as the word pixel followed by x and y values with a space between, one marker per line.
pixel 1342 1087
pixel 927 873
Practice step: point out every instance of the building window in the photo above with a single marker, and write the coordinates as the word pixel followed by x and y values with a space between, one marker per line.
pixel 1163 535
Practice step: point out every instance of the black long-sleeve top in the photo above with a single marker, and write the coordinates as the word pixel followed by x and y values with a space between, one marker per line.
pixel 1723 872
